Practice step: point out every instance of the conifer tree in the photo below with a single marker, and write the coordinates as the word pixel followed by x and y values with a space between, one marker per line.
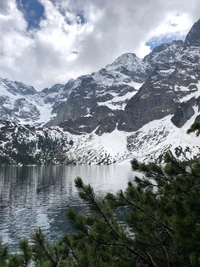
pixel 195 127
pixel 4 254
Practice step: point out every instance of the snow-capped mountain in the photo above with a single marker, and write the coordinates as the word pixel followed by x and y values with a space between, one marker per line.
pixel 131 108
pixel 22 103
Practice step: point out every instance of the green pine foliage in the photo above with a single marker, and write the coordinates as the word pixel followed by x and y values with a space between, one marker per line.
pixel 155 222
pixel 4 254
pixel 195 127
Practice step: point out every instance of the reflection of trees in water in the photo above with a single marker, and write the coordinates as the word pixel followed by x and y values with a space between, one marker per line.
pixel 38 196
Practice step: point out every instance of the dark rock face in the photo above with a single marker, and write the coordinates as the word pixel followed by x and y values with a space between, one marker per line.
pixel 90 92
pixel 101 116
pixel 193 37
pixel 183 113
pixel 106 119
pixel 197 118
pixel 155 99
pixel 106 127
pixel 172 74
pixel 162 55
pixel 79 126
pixel 176 74
pixel 102 112
pixel 78 104
pixel 83 98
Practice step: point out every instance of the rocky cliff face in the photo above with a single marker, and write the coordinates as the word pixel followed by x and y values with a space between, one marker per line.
pixel 127 99
pixel 193 37
pixel 176 75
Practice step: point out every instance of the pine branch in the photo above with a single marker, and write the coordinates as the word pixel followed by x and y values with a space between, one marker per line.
pixel 148 214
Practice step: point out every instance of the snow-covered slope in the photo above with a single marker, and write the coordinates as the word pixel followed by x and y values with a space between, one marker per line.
pixel 131 108
pixel 22 103
pixel 150 143
pixel 21 144
pixel 25 145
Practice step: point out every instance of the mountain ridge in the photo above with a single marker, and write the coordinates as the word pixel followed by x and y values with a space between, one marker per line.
pixel 122 99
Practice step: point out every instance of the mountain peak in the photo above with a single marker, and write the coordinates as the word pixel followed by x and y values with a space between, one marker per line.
pixel 128 60
pixel 126 57
pixel 17 87
pixel 193 37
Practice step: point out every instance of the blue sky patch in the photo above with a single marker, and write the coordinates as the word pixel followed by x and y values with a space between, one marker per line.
pixel 33 12
pixel 156 41
pixel 81 18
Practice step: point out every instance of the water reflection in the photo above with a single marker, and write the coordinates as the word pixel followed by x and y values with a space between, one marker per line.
pixel 38 196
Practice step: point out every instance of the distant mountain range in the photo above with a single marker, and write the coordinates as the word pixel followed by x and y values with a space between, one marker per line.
pixel 131 108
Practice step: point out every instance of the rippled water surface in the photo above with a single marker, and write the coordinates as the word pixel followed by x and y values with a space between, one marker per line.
pixel 38 196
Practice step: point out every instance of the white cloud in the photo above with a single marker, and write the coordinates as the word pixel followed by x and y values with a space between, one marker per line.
pixel 45 56
pixel 173 24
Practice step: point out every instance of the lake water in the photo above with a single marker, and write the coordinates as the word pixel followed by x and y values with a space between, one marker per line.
pixel 38 196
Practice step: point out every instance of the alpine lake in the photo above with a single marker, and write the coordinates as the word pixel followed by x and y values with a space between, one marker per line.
pixel 38 196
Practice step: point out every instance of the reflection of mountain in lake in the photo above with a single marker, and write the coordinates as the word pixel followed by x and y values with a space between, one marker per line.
pixel 32 197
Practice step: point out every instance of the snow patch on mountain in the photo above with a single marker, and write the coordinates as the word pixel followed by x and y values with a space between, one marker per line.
pixel 118 102
pixel 20 102
pixel 160 136
pixel 150 143
pixel 195 93
pixel 135 84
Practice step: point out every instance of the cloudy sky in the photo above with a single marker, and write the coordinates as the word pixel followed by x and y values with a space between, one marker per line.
pixel 44 42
